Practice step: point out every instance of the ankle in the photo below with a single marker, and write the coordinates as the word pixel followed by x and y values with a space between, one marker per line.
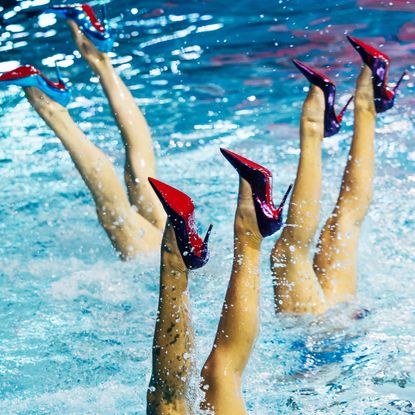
pixel 246 226
pixel 100 65
pixel 365 103
pixel 51 110
pixel 43 105
pixel 251 242
pixel 365 77
pixel 171 257
pixel 247 235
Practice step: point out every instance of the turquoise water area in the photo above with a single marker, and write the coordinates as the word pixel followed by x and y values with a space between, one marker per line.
pixel 76 324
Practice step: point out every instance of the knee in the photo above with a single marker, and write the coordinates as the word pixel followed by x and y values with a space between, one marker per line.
pixel 111 218
pixel 211 369
pixel 294 240
pixel 216 369
pixel 353 213
pixel 220 384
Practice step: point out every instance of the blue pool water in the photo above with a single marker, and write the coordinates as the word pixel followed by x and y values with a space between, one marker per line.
pixel 76 324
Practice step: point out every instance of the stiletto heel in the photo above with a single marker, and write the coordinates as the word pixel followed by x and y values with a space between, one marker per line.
pixel 378 63
pixel 83 15
pixel 268 217
pixel 30 76
pixel 180 212
pixel 395 88
pixel 332 122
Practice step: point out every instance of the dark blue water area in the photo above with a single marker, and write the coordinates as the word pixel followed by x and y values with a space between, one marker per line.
pixel 76 324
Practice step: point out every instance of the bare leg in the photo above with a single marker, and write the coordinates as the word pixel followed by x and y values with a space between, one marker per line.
pixel 173 336
pixel 238 326
pixel 129 232
pixel 336 260
pixel 296 288
pixel 140 160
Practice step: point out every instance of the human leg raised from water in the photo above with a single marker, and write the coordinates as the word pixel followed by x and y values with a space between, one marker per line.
pixel 238 326
pixel 296 287
pixel 129 232
pixel 255 218
pixel 140 159
pixel 181 249
pixel 173 336
pixel 335 262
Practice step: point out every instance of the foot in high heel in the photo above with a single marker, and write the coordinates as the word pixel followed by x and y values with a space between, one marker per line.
pixel 378 63
pixel 83 15
pixel 180 212
pixel 30 76
pixel 332 122
pixel 268 217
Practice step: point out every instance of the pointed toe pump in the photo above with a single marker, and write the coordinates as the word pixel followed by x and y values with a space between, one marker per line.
pixel 378 63
pixel 30 76
pixel 268 217
pixel 180 212
pixel 332 122
pixel 84 16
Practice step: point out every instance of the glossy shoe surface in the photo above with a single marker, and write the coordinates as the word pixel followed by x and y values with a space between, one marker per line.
pixel 84 16
pixel 180 211
pixel 332 122
pixel 268 217
pixel 378 63
pixel 30 76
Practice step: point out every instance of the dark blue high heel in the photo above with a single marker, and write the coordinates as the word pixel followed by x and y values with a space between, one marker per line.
pixel 378 63
pixel 268 217
pixel 30 76
pixel 332 122
pixel 83 15
pixel 180 212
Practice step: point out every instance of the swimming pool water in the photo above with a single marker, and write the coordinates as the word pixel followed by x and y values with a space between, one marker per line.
pixel 76 324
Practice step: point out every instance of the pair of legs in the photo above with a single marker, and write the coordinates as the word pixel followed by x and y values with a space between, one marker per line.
pixel 173 337
pixel 303 285
pixel 132 220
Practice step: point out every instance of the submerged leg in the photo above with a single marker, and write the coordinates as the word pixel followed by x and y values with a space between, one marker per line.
pixel 238 326
pixel 140 159
pixel 173 336
pixel 296 288
pixel 129 232
pixel 336 260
